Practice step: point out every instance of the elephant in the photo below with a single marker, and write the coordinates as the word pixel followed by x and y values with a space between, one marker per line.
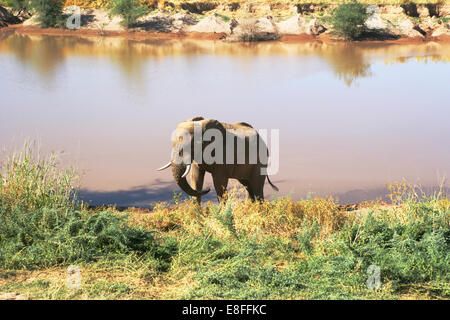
pixel 246 169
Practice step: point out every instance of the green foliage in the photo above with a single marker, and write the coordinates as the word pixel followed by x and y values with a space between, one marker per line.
pixel 46 237
pixel 129 10
pixel 41 224
pixel 49 11
pixel 19 5
pixel 213 251
pixel 348 19
pixel 412 249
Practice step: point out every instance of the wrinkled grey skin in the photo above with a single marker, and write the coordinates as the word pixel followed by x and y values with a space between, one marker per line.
pixel 249 175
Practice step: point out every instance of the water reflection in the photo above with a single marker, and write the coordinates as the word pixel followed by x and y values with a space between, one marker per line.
pixel 348 62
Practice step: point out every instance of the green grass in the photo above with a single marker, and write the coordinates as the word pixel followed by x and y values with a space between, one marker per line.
pixel 278 249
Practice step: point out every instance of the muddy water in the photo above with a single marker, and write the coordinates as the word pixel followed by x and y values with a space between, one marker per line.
pixel 351 117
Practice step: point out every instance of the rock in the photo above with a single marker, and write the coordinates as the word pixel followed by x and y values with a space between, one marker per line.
pixel 33 21
pixel 315 28
pixel 12 296
pixel 7 18
pixel 428 25
pixel 444 10
pixel 266 25
pixel 423 12
pixel 293 25
pixel 390 9
pixel 211 24
pixel 263 29
pixel 376 22
pixel 442 30
pixel 405 27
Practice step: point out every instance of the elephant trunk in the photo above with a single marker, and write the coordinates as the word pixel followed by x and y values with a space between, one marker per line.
pixel 178 171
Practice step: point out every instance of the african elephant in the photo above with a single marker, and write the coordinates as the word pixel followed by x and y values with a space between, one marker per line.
pixel 194 137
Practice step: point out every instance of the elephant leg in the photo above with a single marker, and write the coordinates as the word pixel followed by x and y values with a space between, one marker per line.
pixel 220 184
pixel 247 186
pixel 197 178
pixel 257 184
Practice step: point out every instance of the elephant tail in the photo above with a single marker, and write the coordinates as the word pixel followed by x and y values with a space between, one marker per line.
pixel 274 187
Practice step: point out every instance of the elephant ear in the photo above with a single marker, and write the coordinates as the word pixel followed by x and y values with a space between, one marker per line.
pixel 195 119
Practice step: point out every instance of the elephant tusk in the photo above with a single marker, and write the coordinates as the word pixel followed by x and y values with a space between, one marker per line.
pixel 188 168
pixel 165 167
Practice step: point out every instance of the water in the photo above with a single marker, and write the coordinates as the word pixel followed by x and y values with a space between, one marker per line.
pixel 351 117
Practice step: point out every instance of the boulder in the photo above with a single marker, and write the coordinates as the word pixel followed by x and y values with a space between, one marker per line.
pixel 428 24
pixel 293 25
pixel 211 24
pixel 442 30
pixel 33 21
pixel 390 9
pixel 444 10
pixel 263 29
pixel 423 12
pixel 376 22
pixel 7 18
pixel 405 27
pixel 315 27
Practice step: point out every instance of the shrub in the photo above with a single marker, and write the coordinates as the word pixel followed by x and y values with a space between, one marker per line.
pixel 49 12
pixel 29 181
pixel 19 5
pixel 348 19
pixel 129 10
pixel 47 237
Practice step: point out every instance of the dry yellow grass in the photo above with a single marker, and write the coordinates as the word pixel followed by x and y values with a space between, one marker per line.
pixel 281 218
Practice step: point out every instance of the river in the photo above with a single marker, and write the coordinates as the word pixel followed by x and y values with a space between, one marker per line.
pixel 351 117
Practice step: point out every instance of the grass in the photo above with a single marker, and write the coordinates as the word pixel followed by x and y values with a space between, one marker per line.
pixel 278 249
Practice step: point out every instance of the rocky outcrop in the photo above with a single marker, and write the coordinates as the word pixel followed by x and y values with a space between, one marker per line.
pixel 375 21
pixel 315 27
pixel 295 25
pixel 6 18
pixel 247 30
pixel 211 24
pixel 385 22
pixel 405 27
pixel 442 30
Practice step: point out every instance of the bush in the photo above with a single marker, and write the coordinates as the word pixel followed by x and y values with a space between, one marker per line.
pixel 47 237
pixel 348 19
pixel 19 5
pixel 49 12
pixel 29 181
pixel 129 10
pixel 42 225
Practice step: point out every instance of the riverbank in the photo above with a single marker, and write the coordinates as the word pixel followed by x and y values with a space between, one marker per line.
pixel 259 22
